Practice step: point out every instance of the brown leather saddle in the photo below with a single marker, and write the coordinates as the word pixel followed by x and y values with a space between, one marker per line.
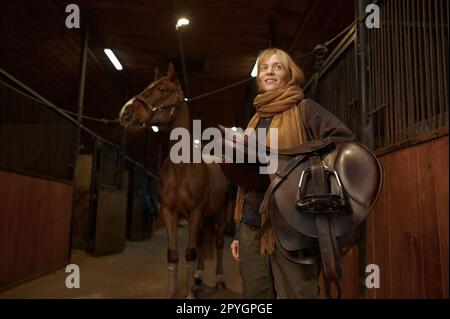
pixel 317 199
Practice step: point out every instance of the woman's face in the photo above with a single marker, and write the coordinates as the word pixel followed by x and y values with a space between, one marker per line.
pixel 272 74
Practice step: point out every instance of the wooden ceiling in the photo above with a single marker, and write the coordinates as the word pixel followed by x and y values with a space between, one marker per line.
pixel 220 45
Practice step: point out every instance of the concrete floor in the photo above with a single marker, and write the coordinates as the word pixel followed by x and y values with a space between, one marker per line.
pixel 139 271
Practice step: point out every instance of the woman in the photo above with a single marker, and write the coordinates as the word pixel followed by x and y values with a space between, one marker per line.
pixel 280 104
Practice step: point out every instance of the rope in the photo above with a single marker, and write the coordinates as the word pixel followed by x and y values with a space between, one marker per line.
pixel 218 90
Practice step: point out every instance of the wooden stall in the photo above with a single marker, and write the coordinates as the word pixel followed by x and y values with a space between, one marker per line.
pixel 407 233
pixel 34 226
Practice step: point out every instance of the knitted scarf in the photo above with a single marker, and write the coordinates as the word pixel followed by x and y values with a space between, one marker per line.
pixel 281 104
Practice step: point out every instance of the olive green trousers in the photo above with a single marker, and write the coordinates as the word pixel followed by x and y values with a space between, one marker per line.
pixel 272 276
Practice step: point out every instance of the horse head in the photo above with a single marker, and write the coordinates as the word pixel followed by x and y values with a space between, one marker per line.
pixel 156 105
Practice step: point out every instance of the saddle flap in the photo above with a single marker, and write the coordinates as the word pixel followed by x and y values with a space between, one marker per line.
pixel 360 172
pixel 291 243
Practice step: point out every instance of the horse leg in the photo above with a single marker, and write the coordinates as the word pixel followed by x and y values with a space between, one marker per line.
pixel 200 260
pixel 191 252
pixel 171 221
pixel 222 224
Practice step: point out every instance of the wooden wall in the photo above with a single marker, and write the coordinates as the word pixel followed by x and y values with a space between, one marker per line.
pixel 110 228
pixel 407 233
pixel 80 219
pixel 34 226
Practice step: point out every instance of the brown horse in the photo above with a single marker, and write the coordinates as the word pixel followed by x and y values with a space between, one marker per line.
pixel 195 191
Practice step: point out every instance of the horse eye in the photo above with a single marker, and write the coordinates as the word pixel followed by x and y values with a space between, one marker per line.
pixel 161 89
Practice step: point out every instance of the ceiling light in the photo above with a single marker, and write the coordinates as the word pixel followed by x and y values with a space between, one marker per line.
pixel 255 70
pixel 181 22
pixel 155 129
pixel 113 59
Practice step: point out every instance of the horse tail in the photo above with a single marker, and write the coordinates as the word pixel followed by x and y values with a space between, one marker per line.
pixel 207 238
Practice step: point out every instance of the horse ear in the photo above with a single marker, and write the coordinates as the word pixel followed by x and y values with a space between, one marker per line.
pixel 157 74
pixel 171 73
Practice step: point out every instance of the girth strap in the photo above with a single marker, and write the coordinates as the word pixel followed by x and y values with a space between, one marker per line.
pixel 329 250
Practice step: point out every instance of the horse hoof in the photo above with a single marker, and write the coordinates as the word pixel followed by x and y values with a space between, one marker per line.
pixel 198 281
pixel 220 285
pixel 191 295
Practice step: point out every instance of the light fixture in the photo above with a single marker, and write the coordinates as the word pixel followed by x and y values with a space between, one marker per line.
pixel 234 129
pixel 113 59
pixel 255 69
pixel 181 22
pixel 155 129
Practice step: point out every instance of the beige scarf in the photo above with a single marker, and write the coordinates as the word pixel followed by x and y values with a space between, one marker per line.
pixel 281 105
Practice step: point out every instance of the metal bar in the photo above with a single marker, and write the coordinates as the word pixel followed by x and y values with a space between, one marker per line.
pixel 440 67
pixel 337 52
pixel 396 83
pixel 416 62
pixel 402 69
pixel 440 63
pixel 421 70
pixel 390 50
pixel 348 76
pixel 386 84
pixel 76 148
pixel 389 71
pixel 376 74
pixel 81 87
pixel 347 86
pixel 366 124
pixel 346 42
pixel 409 77
pixel 433 80
pixel 380 79
pixel 445 57
pixel 426 67
pixel 373 97
pixel 354 101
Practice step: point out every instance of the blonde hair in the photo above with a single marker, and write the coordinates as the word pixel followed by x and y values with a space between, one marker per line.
pixel 296 73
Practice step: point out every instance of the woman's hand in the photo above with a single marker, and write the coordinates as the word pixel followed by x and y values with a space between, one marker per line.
pixel 235 249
